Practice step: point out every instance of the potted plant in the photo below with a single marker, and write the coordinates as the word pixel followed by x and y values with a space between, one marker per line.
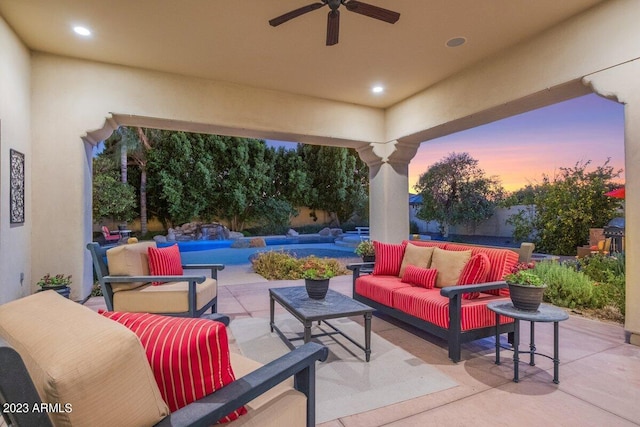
pixel 316 273
pixel 366 250
pixel 59 283
pixel 525 287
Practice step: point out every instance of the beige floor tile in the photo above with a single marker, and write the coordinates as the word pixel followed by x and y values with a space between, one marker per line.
pixel 523 404
pixel 609 379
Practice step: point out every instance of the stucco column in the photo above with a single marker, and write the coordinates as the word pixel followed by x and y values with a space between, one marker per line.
pixel 389 189
pixel 621 83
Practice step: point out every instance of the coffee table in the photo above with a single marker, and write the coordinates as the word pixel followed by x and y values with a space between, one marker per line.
pixel 335 305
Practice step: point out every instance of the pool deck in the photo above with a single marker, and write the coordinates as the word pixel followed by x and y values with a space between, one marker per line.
pixel 599 373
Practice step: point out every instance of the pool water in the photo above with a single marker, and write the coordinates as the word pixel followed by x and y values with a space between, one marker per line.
pixel 237 256
pixel 203 245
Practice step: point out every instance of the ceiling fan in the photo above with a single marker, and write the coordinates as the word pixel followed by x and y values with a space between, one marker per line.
pixel 333 19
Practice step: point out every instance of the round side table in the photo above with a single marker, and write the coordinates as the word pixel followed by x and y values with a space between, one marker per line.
pixel 545 313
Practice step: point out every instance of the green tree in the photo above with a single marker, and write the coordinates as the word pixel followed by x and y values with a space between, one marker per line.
pixel 111 197
pixel 566 206
pixel 243 179
pixel 182 174
pixel 338 181
pixel 290 177
pixel 522 196
pixel 130 146
pixel 456 191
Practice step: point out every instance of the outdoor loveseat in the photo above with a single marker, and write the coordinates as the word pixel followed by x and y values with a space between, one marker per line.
pixel 405 283
pixel 64 364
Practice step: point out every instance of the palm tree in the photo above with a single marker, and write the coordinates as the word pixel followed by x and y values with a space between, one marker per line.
pixel 134 145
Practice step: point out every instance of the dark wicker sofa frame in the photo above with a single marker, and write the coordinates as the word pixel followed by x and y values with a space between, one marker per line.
pixel 16 387
pixel 454 335
pixel 98 255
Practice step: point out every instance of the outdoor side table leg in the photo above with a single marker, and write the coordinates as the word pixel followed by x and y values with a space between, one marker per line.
pixel 307 331
pixel 556 353
pixel 532 343
pixel 516 352
pixel 271 310
pixel 367 336
pixel 497 339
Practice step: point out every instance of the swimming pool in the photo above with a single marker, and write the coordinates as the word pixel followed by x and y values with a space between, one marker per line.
pixel 237 256
pixel 204 245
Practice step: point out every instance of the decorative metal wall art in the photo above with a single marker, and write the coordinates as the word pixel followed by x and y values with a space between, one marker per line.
pixel 16 178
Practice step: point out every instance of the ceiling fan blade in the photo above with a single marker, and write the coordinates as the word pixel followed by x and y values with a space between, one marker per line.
pixel 294 14
pixel 372 11
pixel 333 27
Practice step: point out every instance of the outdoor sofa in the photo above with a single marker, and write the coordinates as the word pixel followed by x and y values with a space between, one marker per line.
pixel 63 364
pixel 405 283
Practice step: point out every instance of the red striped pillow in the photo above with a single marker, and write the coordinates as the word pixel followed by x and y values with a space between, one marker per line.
pixel 423 277
pixel 388 258
pixel 475 271
pixel 164 262
pixel 189 357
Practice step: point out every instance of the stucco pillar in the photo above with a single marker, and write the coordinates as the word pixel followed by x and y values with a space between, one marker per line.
pixel 621 83
pixel 389 189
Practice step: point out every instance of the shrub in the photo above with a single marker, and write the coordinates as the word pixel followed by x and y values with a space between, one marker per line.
pixel 365 248
pixel 280 265
pixel 610 293
pixel 609 274
pixel 276 265
pixel 96 291
pixel 599 266
pixel 313 267
pixel 565 286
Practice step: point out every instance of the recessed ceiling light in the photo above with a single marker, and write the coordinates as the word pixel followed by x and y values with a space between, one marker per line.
pixel 82 31
pixel 377 89
pixel 456 41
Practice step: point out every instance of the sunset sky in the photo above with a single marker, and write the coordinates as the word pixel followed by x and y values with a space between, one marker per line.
pixel 520 149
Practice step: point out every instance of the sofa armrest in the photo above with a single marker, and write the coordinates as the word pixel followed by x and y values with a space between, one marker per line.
pixel 359 268
pixel 127 279
pixel 453 291
pixel 299 363
pixel 16 387
pixel 213 267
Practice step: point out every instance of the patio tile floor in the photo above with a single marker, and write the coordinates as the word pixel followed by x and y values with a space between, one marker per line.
pixel 599 373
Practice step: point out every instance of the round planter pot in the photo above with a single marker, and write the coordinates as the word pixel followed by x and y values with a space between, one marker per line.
pixel 316 289
pixel 526 298
pixel 369 258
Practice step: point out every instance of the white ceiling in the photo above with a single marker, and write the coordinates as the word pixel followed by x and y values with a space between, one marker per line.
pixel 231 40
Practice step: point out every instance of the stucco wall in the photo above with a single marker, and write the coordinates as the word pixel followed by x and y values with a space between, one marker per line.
pixel 15 240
